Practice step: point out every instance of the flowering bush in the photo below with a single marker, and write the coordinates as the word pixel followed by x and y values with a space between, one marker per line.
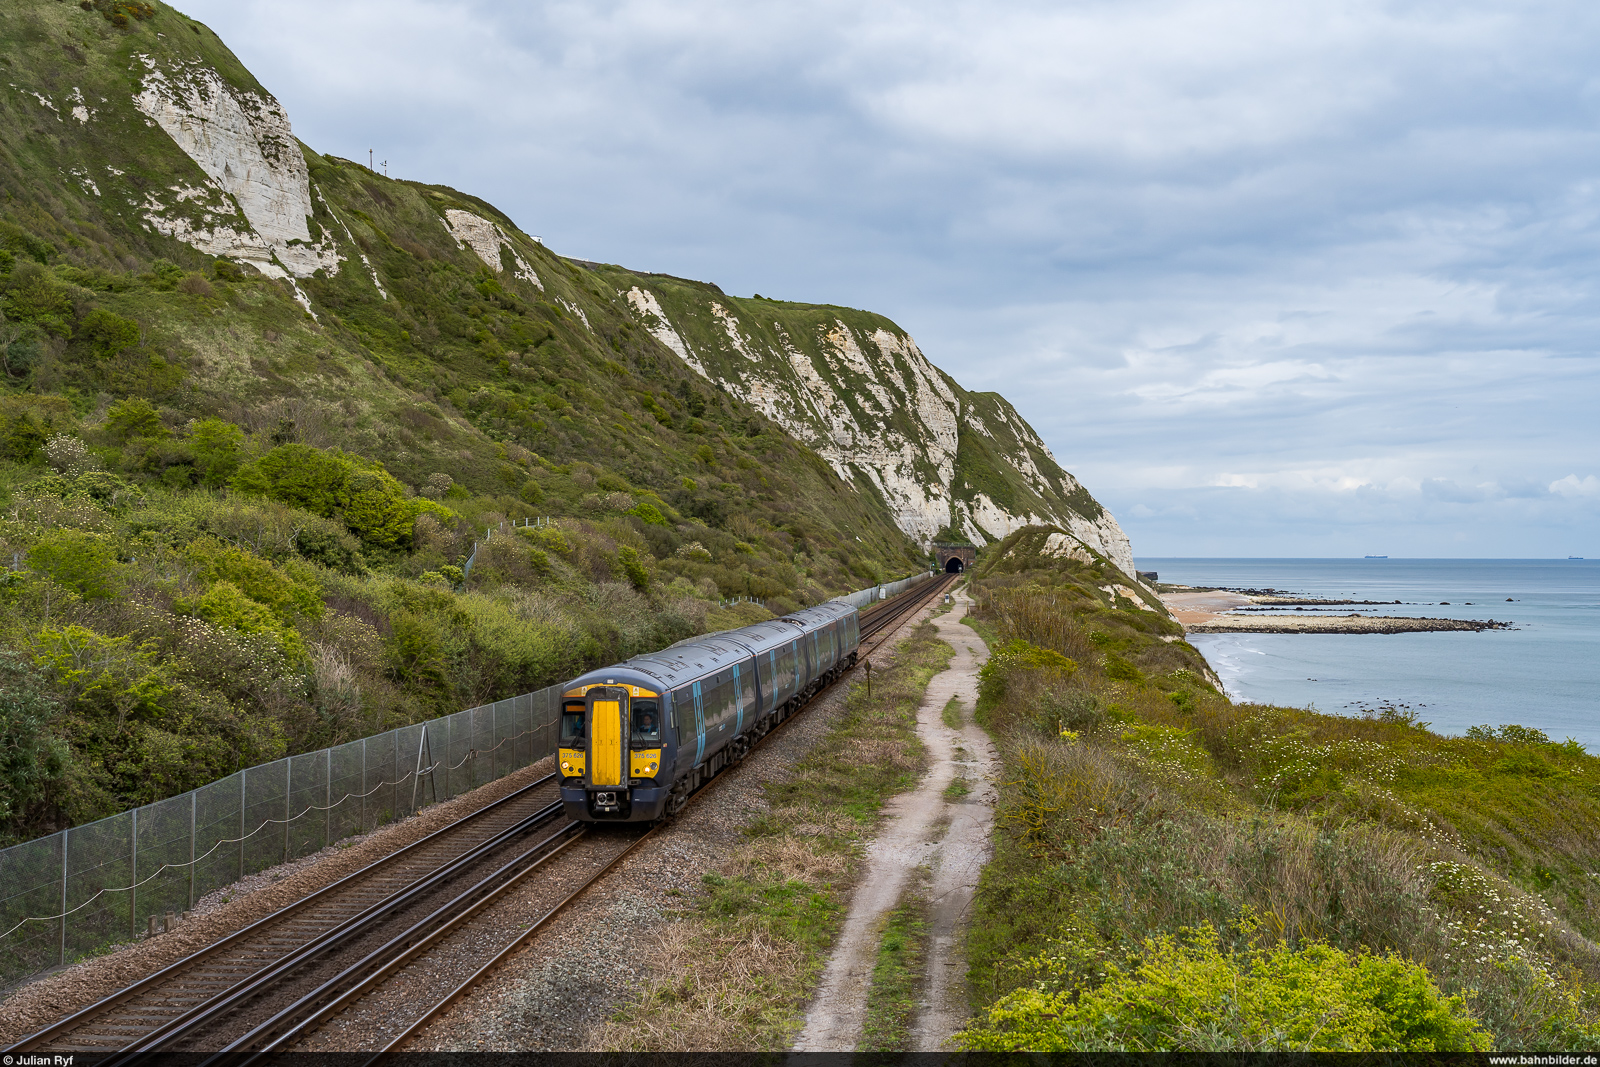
pixel 1188 993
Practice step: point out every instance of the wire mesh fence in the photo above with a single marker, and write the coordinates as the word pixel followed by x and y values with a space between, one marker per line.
pixel 84 890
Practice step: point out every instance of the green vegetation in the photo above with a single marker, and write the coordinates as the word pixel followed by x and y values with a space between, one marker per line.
pixel 738 967
pixel 1190 993
pixel 1149 828
pixel 897 977
pixel 236 529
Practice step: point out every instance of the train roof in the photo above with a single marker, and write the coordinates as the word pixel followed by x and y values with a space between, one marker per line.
pixel 689 660
pixel 820 615
pixel 758 637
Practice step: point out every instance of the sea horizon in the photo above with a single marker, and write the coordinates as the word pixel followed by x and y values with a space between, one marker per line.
pixel 1540 673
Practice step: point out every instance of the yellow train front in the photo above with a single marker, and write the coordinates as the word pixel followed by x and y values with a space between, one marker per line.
pixel 638 738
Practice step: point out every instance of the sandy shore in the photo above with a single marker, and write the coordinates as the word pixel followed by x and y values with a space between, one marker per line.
pixel 1193 609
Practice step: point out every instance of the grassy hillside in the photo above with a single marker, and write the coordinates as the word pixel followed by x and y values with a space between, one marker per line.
pixel 238 505
pixel 1155 837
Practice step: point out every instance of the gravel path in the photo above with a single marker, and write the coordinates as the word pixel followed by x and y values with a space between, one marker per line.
pixel 568 980
pixel 923 828
pixel 41 1002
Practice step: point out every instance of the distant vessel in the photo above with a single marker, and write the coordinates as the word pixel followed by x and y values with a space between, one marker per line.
pixel 1574 557
pixel 1375 557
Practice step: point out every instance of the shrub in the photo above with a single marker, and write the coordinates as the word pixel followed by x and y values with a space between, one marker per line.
pixel 216 449
pixel 32 295
pixel 632 568
pixel 26 423
pixel 108 333
pixel 67 455
pixel 133 417
pixel 649 513
pixel 333 484
pixel 81 561
pixel 279 589
pixel 225 605
pixel 1189 994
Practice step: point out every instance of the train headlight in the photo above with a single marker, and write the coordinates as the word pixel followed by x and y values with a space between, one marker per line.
pixel 566 765
pixel 650 768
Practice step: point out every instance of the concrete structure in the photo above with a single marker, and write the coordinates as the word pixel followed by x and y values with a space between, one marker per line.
pixel 953 559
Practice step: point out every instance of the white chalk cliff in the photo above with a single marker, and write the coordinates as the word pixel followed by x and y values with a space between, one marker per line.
pixel 866 399
pixel 256 203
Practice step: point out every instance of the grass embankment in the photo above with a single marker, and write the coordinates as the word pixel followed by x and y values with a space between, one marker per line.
pixel 736 969
pixel 1151 832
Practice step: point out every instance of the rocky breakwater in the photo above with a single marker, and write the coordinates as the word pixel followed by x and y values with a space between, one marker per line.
pixel 1336 624
pixel 1222 611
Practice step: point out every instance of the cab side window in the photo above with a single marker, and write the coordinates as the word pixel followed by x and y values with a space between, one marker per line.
pixel 646 722
pixel 572 732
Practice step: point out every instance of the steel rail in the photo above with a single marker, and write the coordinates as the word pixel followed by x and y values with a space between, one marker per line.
pixel 881 622
pixel 177 969
pixel 250 988
pixel 355 981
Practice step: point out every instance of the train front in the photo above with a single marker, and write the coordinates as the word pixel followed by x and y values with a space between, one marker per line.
pixel 616 752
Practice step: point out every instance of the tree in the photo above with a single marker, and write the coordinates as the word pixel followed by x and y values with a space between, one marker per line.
pixel 31 756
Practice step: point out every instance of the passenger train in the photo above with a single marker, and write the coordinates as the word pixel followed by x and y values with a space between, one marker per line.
pixel 638 738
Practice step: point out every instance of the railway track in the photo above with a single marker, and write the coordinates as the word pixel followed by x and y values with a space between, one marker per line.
pixel 271 985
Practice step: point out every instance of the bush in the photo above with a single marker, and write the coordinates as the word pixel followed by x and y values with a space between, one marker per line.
pixel 108 333
pixel 647 512
pixel 1189 994
pixel 133 417
pixel 216 449
pixel 27 422
pixel 333 484
pixel 83 562
pixel 33 296
pixel 632 567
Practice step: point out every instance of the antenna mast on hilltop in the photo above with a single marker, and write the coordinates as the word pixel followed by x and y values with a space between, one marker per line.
pixel 369 160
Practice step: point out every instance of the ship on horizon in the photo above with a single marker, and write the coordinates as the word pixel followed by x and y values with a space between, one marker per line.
pixel 1374 557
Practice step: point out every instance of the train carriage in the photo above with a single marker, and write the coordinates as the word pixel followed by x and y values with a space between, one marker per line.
pixel 639 737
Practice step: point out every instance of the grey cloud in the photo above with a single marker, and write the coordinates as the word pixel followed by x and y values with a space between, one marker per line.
pixel 1298 245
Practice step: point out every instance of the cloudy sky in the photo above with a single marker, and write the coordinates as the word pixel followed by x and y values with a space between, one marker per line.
pixel 1272 279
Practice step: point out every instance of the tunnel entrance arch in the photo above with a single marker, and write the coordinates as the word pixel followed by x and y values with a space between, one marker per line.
pixel 955 559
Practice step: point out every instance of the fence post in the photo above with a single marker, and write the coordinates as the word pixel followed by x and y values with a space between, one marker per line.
pixel 133 881
pixel 394 774
pixel 494 737
pixel 327 800
pixel 193 803
pixel 288 798
pixel 416 779
pixel 363 785
pixel 66 843
pixel 242 798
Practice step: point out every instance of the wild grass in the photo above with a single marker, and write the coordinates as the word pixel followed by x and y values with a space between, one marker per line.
pixel 897 975
pixel 1140 803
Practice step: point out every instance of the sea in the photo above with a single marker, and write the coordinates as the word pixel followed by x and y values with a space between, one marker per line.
pixel 1544 672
